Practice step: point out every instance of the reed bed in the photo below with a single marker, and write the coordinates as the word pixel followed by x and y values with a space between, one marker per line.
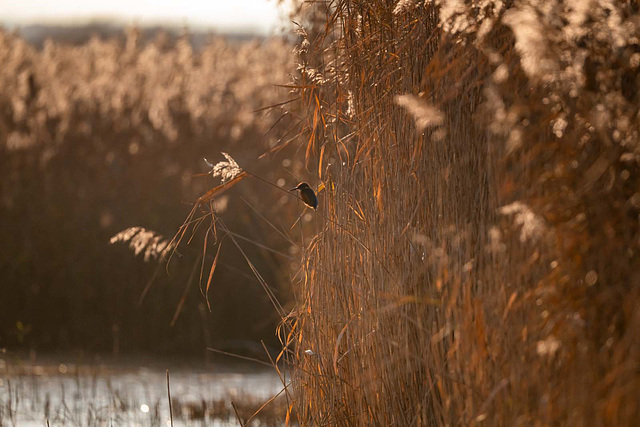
pixel 111 133
pixel 476 255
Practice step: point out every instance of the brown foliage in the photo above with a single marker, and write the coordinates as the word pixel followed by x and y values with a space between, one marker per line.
pixel 487 269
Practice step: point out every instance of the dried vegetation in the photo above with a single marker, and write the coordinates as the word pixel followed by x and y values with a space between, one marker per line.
pixel 481 259
pixel 110 133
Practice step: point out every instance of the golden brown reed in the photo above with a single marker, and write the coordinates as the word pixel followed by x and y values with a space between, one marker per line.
pixel 489 274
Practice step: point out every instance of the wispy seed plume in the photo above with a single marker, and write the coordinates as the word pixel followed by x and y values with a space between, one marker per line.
pixel 425 114
pixel 141 240
pixel 225 170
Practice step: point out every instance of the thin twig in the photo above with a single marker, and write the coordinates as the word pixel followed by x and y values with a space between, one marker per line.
pixel 242 424
pixel 184 293
pixel 169 396
pixel 275 366
pixel 239 356
pixel 267 402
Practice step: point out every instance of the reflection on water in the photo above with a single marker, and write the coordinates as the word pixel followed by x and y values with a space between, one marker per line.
pixel 134 396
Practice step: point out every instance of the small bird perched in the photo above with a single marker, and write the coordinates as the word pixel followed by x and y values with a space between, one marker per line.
pixel 307 195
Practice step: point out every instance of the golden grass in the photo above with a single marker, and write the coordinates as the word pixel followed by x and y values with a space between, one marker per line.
pixel 483 270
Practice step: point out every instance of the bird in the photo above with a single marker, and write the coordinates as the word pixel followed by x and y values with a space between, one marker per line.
pixel 307 195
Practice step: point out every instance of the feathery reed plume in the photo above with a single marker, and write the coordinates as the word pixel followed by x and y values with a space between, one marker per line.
pixel 532 42
pixel 154 245
pixel 404 6
pixel 532 225
pixel 225 170
pixel 424 114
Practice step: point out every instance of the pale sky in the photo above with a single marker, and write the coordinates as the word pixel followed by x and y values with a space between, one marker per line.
pixel 259 15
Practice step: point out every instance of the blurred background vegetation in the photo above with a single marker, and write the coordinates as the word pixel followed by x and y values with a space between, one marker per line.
pixel 107 133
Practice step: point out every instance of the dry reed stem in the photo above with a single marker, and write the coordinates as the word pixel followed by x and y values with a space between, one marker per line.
pixel 238 417
pixel 169 397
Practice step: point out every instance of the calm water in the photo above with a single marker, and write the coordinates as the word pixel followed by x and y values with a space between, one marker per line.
pixel 128 394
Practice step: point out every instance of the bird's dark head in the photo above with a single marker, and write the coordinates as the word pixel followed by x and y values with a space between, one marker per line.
pixel 301 186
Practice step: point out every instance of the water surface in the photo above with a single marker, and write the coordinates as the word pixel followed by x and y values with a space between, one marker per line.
pixel 132 393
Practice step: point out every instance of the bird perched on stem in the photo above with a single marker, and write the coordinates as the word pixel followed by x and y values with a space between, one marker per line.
pixel 307 195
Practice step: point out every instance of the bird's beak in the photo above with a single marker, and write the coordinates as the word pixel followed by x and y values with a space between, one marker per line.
pixel 293 189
